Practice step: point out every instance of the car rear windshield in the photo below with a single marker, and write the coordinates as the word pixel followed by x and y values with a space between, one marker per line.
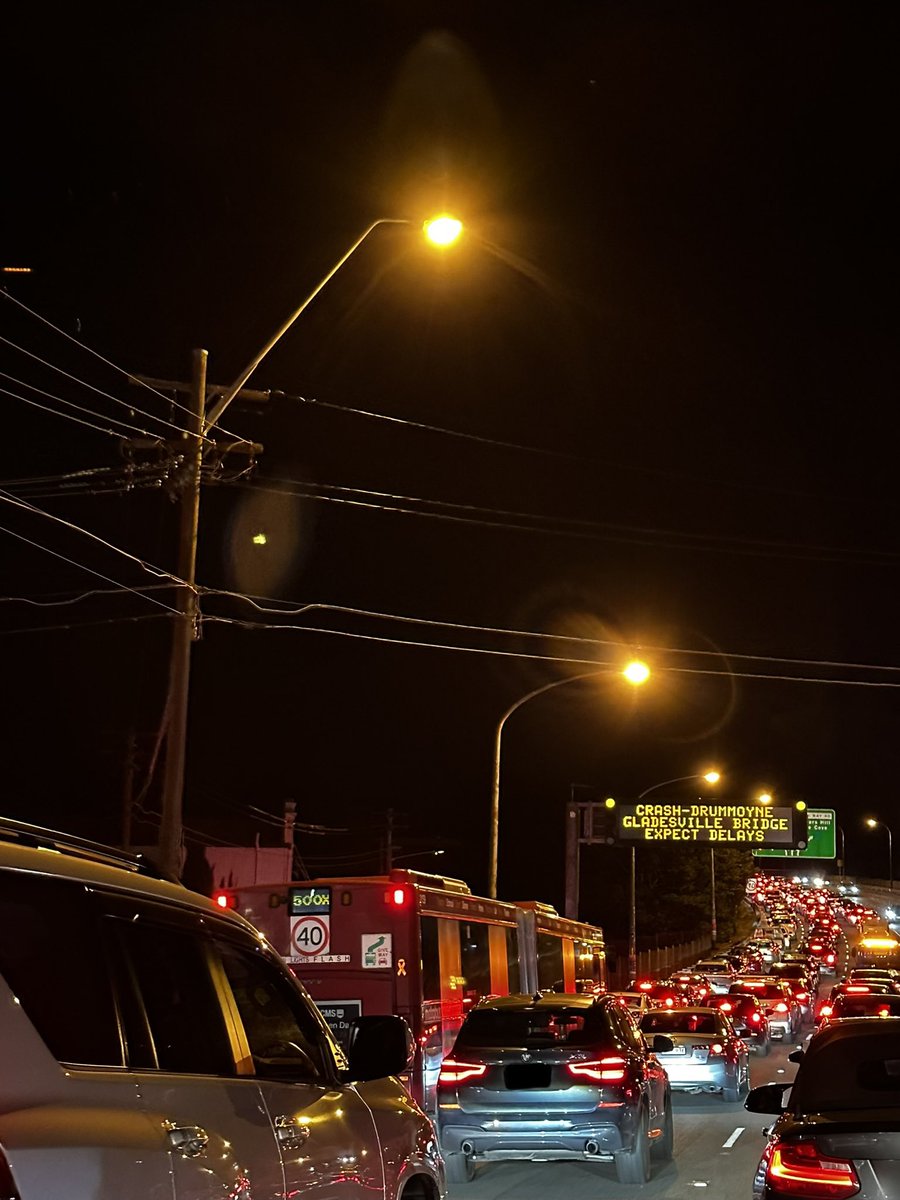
pixel 680 1022
pixel 765 991
pixel 873 1005
pixel 850 1074
pixel 534 1027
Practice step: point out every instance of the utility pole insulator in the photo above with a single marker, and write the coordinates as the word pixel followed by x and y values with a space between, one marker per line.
pixel 290 821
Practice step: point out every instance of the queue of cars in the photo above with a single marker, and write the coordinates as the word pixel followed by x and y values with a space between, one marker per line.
pixel 837 1127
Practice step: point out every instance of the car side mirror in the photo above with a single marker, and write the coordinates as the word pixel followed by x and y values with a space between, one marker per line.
pixel 378 1047
pixel 766 1099
pixel 662 1044
pixel 796 1056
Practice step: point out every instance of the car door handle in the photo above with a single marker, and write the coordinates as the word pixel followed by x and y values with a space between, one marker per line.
pixel 190 1141
pixel 291 1136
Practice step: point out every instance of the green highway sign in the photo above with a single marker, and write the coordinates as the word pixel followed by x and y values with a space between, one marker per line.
pixel 821 844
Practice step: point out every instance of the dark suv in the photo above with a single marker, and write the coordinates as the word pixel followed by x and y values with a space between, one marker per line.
pixel 838 1127
pixel 554 1077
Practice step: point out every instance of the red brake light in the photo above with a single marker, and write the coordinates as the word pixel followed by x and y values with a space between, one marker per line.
pixel 829 958
pixel 715 1048
pixel 224 899
pixel 802 997
pixel 397 896
pixel 669 1002
pixel 826 1010
pixel 857 988
pixel 755 1017
pixel 781 1006
pixel 453 1071
pixel 725 1006
pixel 800 1169
pixel 645 985
pixel 604 1070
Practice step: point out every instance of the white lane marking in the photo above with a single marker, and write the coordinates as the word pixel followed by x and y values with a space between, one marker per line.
pixel 734 1137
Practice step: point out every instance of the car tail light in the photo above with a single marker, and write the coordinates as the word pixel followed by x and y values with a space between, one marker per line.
pixel 455 1071
pixel 755 1018
pixel 826 1010
pixel 801 997
pixel 857 989
pixel 725 1006
pixel 781 1007
pixel 716 1049
pixel 224 899
pixel 801 1169
pixel 829 958
pixel 669 1002
pixel 602 1070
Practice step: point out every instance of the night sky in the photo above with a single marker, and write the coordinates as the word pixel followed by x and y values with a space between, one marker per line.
pixel 645 405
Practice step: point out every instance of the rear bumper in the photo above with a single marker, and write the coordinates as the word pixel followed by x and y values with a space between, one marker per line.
pixel 584 1137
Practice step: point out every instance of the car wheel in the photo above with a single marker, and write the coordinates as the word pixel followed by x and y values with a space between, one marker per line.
pixel 633 1166
pixel 744 1089
pixel 732 1090
pixel 663 1147
pixel 459 1168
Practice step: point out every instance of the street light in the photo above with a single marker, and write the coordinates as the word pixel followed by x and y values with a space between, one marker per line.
pixel 441 232
pixel 636 673
pixel 711 776
pixel 873 824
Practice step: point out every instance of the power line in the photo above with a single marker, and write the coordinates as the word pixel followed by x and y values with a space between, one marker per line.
pixel 556 659
pixel 299 609
pixel 128 375
pixel 158 572
pixel 637 468
pixel 573 527
pixel 107 395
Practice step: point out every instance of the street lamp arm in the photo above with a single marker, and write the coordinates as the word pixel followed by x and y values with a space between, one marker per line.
pixel 215 413
pixel 495 793
pixel 666 782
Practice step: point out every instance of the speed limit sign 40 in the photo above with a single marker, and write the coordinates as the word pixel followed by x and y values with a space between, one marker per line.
pixel 310 935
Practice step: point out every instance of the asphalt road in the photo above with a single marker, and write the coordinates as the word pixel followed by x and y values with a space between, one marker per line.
pixel 717 1148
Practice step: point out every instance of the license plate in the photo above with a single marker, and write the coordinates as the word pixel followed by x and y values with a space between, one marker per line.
pixel 678 1050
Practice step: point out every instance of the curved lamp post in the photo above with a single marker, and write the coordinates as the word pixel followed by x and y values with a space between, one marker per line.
pixel 636 673
pixel 710 777
pixel 873 824
pixel 441 231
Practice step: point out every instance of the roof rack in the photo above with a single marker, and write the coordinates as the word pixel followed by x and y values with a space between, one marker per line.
pixel 49 839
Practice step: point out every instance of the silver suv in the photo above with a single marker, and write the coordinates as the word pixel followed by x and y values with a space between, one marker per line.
pixel 154 1046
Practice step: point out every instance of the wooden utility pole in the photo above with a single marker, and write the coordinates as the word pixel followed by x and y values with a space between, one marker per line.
pixel 186 628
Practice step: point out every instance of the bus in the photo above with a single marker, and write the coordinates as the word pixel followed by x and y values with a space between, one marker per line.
pixel 420 946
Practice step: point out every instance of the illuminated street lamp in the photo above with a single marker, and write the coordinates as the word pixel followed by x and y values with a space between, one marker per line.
pixel 711 776
pixel 635 672
pixel 873 824
pixel 765 798
pixel 441 232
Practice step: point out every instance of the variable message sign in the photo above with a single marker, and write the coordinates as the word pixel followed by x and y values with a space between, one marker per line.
pixel 739 825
